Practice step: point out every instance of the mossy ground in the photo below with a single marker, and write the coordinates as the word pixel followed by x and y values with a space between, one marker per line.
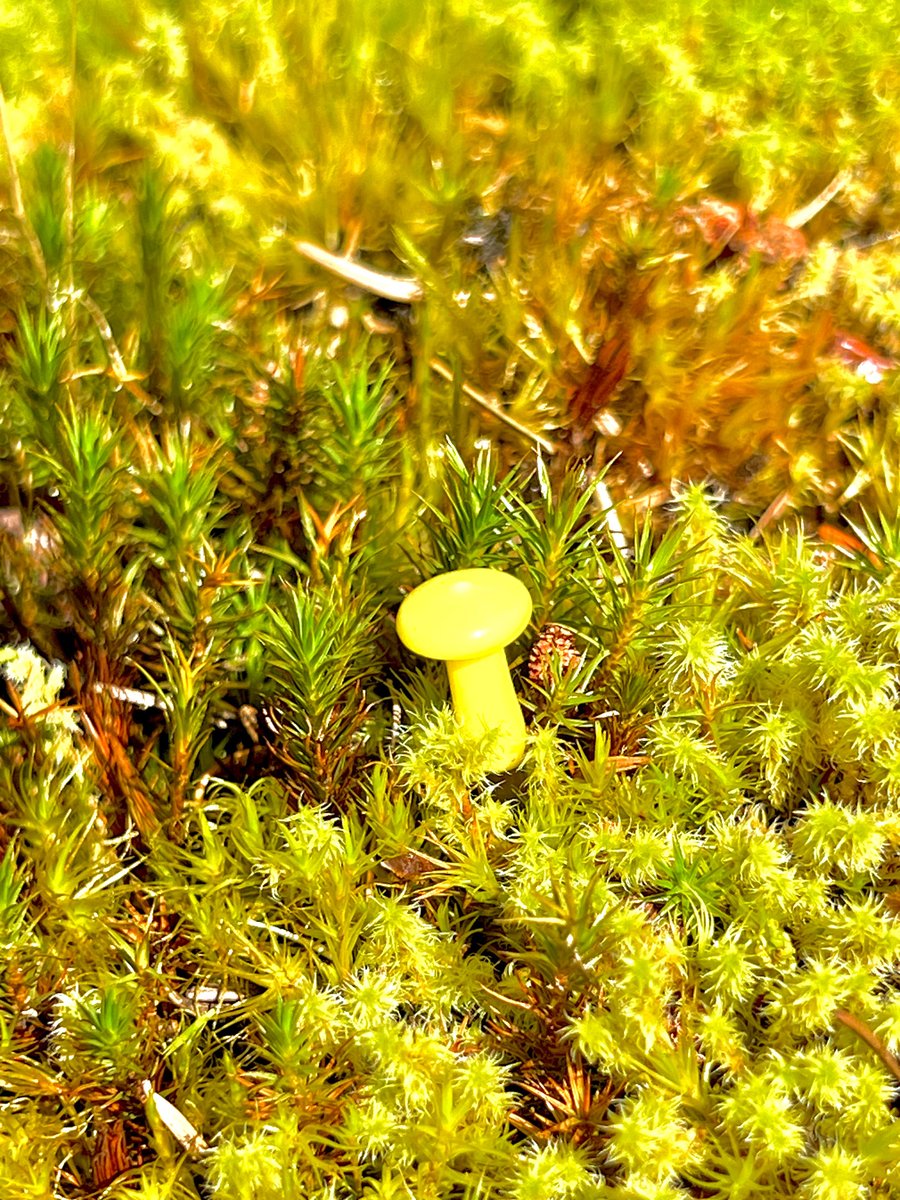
pixel 268 927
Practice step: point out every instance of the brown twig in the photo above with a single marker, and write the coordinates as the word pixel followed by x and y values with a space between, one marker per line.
pixel 772 513
pixel 399 288
pixel 862 1030
pixel 489 404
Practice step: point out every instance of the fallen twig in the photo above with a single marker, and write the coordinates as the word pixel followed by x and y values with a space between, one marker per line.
pixel 775 510
pixel 802 216
pixel 400 288
pixel 121 374
pixel 862 1030
pixel 489 404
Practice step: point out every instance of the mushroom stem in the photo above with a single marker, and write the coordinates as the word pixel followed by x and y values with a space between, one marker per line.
pixel 484 699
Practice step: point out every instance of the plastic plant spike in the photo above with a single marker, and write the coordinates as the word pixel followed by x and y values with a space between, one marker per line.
pixel 467 618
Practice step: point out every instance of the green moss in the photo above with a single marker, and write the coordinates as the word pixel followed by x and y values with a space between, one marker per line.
pixel 269 928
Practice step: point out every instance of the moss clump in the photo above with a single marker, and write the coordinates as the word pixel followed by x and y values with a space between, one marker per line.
pixel 269 928
pixel 660 956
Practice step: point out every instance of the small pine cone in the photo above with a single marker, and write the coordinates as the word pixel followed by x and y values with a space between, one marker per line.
pixel 556 644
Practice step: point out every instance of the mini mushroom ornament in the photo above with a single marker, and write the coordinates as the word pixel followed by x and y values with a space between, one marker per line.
pixel 467 618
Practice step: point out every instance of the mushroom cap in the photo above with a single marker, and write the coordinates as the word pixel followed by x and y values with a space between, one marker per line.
pixel 464 614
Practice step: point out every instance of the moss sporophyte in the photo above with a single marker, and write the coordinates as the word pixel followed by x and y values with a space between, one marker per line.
pixel 466 618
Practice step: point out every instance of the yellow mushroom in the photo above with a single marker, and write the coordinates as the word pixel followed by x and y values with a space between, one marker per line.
pixel 467 618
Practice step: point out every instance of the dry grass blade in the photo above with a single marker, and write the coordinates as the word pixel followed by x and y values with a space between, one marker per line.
pixel 490 405
pixel 803 215
pixel 399 288
pixel 15 185
pixel 181 1129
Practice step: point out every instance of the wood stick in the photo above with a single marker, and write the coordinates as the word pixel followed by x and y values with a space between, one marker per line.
pixel 489 404
pixel 805 214
pixel 399 288
pixel 862 1030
